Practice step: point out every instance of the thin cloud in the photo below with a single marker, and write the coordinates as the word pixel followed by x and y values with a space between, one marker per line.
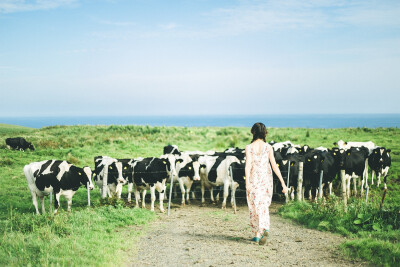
pixel 169 26
pixel 267 16
pixel 117 23
pixel 13 6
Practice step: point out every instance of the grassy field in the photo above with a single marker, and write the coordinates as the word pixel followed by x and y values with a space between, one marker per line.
pixel 99 235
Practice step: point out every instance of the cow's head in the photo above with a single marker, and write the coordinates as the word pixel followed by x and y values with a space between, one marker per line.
pixel 170 161
pixel 339 156
pixel 114 171
pixel 312 162
pixel 31 147
pixel 85 175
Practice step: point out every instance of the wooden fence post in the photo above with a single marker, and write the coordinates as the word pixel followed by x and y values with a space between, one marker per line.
pixel 344 186
pixel 320 184
pixel 300 182
pixel 170 192
pixel 105 181
pixel 88 194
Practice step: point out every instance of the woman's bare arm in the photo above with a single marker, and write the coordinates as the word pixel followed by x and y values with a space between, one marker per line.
pixel 276 169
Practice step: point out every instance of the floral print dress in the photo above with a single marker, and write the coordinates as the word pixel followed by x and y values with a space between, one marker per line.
pixel 260 191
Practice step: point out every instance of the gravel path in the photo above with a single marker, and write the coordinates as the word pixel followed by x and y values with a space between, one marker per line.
pixel 209 236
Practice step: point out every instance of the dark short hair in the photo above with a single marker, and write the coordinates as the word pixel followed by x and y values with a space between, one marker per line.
pixel 259 131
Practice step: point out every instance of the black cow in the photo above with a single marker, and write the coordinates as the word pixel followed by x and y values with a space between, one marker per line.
pixel 19 143
pixel 355 166
pixel 379 161
pixel 59 177
pixel 153 173
pixel 316 161
pixel 107 175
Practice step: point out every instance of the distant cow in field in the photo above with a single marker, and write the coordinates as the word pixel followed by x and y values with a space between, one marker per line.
pixel 19 143
pixel 379 161
pixel 59 177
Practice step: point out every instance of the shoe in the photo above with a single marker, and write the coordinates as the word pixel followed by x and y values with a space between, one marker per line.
pixel 264 237
pixel 255 239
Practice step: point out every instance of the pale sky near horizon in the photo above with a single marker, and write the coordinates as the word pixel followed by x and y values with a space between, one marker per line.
pixel 145 57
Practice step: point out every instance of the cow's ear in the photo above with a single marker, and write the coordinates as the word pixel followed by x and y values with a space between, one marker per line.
pixel 389 150
pixel 164 162
pixel 348 153
pixel 79 173
pixel 125 168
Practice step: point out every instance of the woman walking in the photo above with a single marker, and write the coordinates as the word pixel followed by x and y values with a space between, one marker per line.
pixel 259 159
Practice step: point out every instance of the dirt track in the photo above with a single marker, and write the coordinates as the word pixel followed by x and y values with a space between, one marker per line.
pixel 209 236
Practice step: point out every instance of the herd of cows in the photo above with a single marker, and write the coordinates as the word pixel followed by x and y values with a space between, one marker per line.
pixel 212 169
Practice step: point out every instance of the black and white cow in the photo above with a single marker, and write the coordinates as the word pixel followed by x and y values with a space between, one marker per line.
pixel 59 177
pixel 379 161
pixel 127 174
pixel 19 143
pixel 214 171
pixel 234 150
pixel 152 173
pixel 107 175
pixel 171 149
pixel 347 145
pixel 186 176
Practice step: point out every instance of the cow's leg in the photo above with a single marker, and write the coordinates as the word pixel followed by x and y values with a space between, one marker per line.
pixel 292 193
pixel 34 202
pixel 233 196
pixel 162 193
pixel 130 186
pixel 181 185
pixel 212 195
pixel 310 194
pixel 362 184
pixel 188 187
pixel 379 179
pixel 372 177
pixel 203 201
pixel 42 203
pixel 193 195
pixel 143 198
pixel 348 180
pixel 69 201
pixel 330 188
pixel 226 193
pixel 56 202
pixel 137 196
pixel 355 186
pixel 316 194
pixel 303 190
pixel 152 196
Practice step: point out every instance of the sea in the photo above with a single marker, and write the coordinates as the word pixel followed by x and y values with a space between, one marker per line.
pixel 272 120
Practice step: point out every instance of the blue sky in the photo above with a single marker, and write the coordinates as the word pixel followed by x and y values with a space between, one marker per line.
pixel 144 57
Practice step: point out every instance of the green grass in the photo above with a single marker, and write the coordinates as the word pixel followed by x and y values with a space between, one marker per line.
pixel 99 235
pixel 375 232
